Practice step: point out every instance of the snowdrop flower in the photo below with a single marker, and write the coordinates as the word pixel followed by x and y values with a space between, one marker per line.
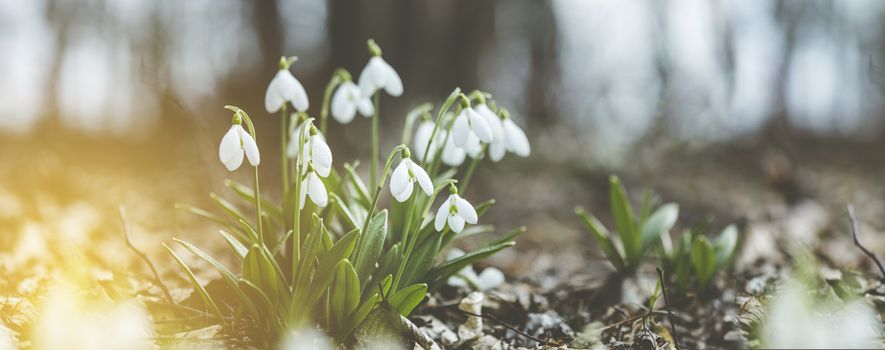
pixel 473 147
pixel 469 121
pixel 315 152
pixel 285 88
pixel 455 212
pixel 235 143
pixel 492 119
pixel 404 177
pixel 452 155
pixel 513 139
pixel 313 187
pixel 489 279
pixel 378 74
pixel 422 137
pixel 349 99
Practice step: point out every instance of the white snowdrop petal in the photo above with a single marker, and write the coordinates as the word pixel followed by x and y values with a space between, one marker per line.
pixel 517 142
pixel 372 76
pixel 492 120
pixel 342 109
pixel 250 147
pixel 364 104
pixel 452 155
pixel 456 223
pixel 465 210
pixel 230 152
pixel 441 215
pixel 317 190
pixel 422 138
pixel 393 85
pixel 489 279
pixel 405 194
pixel 497 149
pixel 460 129
pixel 303 195
pixel 399 179
pixel 473 147
pixel 272 100
pixel 321 155
pixel 479 126
pixel 290 89
pixel 423 179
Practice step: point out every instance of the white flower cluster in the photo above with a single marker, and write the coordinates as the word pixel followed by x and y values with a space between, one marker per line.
pixel 475 129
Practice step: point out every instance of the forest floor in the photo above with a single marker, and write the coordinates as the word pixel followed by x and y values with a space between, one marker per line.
pixel 61 230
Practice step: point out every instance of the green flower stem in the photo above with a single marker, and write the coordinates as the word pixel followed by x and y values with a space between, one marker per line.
pixel 405 240
pixel 396 150
pixel 439 116
pixel 327 96
pixel 373 176
pixel 296 220
pixel 469 174
pixel 434 167
pixel 283 164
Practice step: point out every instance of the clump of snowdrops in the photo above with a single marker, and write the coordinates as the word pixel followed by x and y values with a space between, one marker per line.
pixel 328 256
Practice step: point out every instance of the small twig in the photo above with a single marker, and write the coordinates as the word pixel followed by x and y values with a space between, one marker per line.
pixel 512 328
pixel 143 256
pixel 866 251
pixel 667 305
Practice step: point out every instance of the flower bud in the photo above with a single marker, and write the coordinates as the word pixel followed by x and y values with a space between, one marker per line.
pixel 374 49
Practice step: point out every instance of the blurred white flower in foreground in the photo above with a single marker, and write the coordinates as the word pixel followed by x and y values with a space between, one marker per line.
pixel 488 279
pixel 306 339
pixel 455 212
pixel 234 144
pixel 404 177
pixel 285 88
pixel 795 321
pixel 349 99
pixel 378 74
pixel 67 321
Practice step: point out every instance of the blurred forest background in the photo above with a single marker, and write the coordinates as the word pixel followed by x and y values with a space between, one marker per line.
pixel 721 105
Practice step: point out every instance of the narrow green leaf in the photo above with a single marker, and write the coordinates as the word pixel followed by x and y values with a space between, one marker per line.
pixel 421 261
pixel 358 185
pixel 345 292
pixel 234 244
pixel 658 224
pixel 339 205
pixel 247 194
pixel 441 273
pixel 603 238
pixel 370 247
pixel 210 303
pixel 625 224
pixel 328 262
pixel 704 260
pixel 359 315
pixel 726 244
pixel 405 300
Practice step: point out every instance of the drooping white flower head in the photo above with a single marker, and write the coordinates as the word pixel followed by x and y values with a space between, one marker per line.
pixel 469 121
pixel 492 119
pixel 404 177
pixel 452 155
pixel 513 139
pixel 473 147
pixel 378 74
pixel 422 138
pixel 455 212
pixel 315 152
pixel 235 144
pixel 285 88
pixel 349 99
pixel 313 187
